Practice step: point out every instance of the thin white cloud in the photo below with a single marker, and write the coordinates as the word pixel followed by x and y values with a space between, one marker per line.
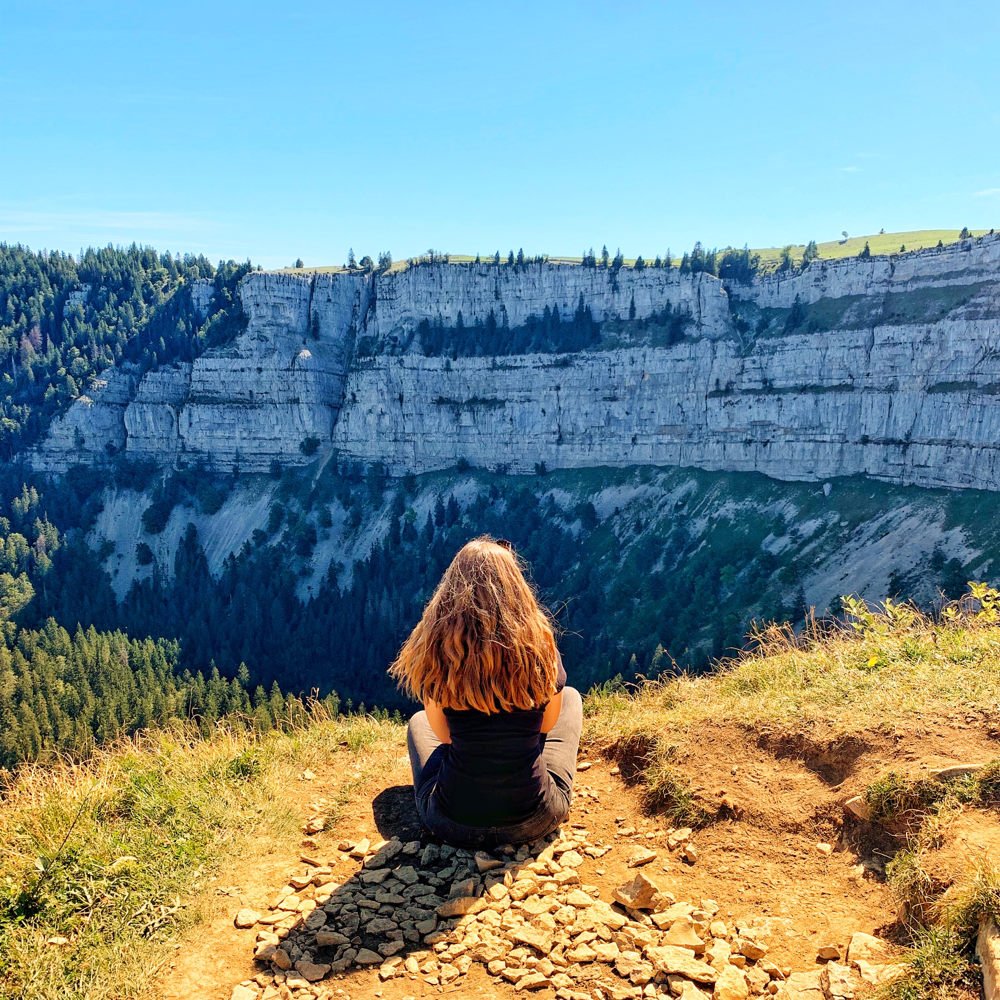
pixel 39 222
pixel 850 170
pixel 987 192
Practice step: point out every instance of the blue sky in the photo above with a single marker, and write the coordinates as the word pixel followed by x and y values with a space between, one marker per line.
pixel 271 131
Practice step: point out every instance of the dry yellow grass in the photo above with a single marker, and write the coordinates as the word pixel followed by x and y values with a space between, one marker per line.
pixel 893 665
pixel 109 854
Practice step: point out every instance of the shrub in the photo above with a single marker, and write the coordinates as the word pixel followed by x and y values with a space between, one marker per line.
pixel 143 554
pixel 310 445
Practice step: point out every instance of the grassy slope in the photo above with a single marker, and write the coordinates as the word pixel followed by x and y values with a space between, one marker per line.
pixel 878 243
pixel 111 855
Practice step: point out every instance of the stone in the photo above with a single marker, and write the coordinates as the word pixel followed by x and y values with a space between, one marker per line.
pixel 533 981
pixel 330 939
pixel 752 949
pixel 246 918
pixel 536 937
pixel 730 985
pixel 988 953
pixel 391 947
pixel 360 849
pixel 867 947
pixel 606 951
pixel 857 806
pixel 367 957
pixel 717 954
pixel 460 906
pixel 411 847
pixel 682 934
pixel 640 856
pixel 827 952
pixel 826 849
pixel 464 887
pixel 804 986
pixel 679 837
pixel 639 894
pixel 485 862
pixel 757 979
pixel 690 853
pixel 582 953
pixel 281 959
pixel 310 971
pixel 346 845
pixel 839 982
pixel 670 959
pixel 571 859
pixel 243 993
pixel 664 918
pixel 407 875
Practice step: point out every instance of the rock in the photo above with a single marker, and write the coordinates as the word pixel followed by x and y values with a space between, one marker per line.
pixel 955 771
pixel 754 950
pixel 730 985
pixel 460 906
pixel 606 951
pixel 311 971
pixel 264 951
pixel 839 982
pixel 281 959
pixel 485 862
pixel 57 942
pixel 858 807
pixel 670 959
pixel 804 986
pixel 407 875
pixel 718 929
pixel 640 856
pixel 411 847
pixel 243 993
pixel 246 918
pixel 867 947
pixel 717 954
pixel 826 849
pixel 679 837
pixel 465 887
pixel 537 937
pixel 683 935
pixel 639 894
pixel 391 947
pixel 757 979
pixel 360 849
pixel 828 952
pixel 690 853
pixel 533 981
pixel 582 953
pixel 367 957
pixel 346 845
pixel 875 974
pixel 571 859
pixel 330 939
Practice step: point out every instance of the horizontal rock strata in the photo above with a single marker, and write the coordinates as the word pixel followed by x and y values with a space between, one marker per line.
pixel 894 373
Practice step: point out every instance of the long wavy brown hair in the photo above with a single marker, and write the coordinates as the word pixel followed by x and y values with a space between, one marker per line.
pixel 484 642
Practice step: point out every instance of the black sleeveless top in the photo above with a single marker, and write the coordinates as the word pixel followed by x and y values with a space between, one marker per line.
pixel 493 773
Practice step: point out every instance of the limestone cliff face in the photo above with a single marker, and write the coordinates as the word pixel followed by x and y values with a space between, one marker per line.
pixel 893 371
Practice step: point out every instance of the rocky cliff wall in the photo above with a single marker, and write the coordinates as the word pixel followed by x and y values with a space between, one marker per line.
pixel 896 375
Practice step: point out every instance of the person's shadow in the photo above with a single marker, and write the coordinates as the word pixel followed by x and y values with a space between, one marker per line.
pixel 395 812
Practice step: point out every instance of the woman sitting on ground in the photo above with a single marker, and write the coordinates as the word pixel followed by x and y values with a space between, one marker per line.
pixel 493 752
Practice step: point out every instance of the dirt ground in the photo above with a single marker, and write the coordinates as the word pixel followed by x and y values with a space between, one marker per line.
pixel 776 796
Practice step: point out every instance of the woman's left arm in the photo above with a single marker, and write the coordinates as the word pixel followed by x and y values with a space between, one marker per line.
pixel 438 720
pixel 551 716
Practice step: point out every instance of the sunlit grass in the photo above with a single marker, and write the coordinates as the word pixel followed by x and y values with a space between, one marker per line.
pixel 107 855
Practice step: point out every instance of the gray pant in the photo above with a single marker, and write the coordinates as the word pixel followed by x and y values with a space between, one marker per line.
pixel 558 754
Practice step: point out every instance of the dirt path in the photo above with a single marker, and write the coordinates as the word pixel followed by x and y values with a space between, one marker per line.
pixel 780 849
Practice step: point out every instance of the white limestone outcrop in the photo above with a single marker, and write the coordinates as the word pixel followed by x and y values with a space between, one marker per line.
pixel 907 393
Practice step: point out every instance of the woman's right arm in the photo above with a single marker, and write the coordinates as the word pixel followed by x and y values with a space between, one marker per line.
pixel 438 720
